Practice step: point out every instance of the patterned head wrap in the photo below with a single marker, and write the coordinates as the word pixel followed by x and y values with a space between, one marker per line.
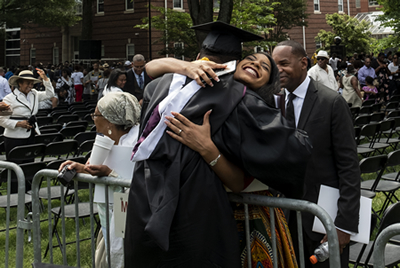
pixel 120 108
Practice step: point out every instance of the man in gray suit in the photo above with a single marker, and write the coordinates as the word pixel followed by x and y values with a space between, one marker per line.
pixel 325 116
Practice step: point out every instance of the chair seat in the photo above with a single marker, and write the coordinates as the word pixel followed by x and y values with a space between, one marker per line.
pixel 377 145
pixel 383 186
pixel 368 194
pixel 13 200
pixel 362 150
pixel 390 176
pixel 391 254
pixel 84 210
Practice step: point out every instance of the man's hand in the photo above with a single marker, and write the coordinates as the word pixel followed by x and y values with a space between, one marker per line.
pixel 344 239
pixel 4 106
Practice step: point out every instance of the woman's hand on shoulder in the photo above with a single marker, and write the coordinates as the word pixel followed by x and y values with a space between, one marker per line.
pixel 98 170
pixel 199 69
pixel 42 74
pixel 196 137
pixel 79 168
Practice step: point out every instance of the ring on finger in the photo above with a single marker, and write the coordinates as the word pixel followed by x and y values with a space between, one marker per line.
pixel 179 132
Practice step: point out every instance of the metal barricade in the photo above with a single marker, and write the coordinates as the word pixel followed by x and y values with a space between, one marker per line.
pixel 292 204
pixel 22 224
pixel 271 202
pixel 380 244
pixel 36 205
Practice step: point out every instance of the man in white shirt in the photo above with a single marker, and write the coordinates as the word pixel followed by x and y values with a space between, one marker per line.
pixel 322 72
pixel 4 86
pixel 327 119
pixel 333 62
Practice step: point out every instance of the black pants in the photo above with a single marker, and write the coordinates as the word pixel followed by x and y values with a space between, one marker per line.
pixel 11 143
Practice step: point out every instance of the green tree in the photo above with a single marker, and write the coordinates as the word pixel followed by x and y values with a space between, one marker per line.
pixel 288 14
pixel 355 35
pixel 45 13
pixel 391 18
pixel 175 29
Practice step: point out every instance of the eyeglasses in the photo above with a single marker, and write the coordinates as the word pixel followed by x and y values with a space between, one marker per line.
pixel 93 115
pixel 318 59
pixel 138 67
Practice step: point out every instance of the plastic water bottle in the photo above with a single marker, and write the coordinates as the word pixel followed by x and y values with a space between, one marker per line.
pixel 321 253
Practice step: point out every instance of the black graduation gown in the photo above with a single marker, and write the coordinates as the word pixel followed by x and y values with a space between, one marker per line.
pixel 178 213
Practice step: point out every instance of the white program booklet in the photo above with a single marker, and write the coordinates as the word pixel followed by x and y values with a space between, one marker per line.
pixel 328 197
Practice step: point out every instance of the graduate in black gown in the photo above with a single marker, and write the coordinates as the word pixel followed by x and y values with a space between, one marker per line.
pixel 178 213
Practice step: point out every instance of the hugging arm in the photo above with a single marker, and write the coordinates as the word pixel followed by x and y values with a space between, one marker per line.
pixel 196 70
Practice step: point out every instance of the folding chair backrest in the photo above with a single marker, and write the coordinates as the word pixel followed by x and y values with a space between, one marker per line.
pixel 77 123
pixel 63 119
pixel 376 107
pixel 362 120
pixel 84 136
pixel 47 138
pixel 72 131
pixel 393 105
pixel 376 117
pixel 58 127
pixel 370 130
pixel 390 216
pixel 366 110
pixel 88 118
pixel 373 164
pixel 44 120
pixel 386 125
pixel 56 163
pixel 355 111
pixel 26 152
pixel 393 114
pixel 368 102
pixel 60 148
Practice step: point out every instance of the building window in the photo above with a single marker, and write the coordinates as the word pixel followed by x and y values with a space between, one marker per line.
pixel 316 6
pixel 130 51
pixel 56 54
pixel 358 3
pixel 32 59
pixel 340 5
pixel 78 7
pixel 178 50
pixel 178 4
pixel 13 47
pixel 100 6
pixel 373 3
pixel 102 51
pixel 128 4
pixel 318 44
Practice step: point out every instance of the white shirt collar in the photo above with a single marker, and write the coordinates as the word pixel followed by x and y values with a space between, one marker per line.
pixel 301 90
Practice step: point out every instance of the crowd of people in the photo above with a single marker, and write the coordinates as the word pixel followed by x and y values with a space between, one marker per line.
pixel 275 126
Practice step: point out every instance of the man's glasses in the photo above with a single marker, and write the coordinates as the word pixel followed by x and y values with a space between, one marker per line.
pixel 318 59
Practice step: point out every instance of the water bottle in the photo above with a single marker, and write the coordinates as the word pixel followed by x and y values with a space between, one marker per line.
pixel 321 253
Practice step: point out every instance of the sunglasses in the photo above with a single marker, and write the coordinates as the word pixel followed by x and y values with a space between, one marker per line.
pixel 318 59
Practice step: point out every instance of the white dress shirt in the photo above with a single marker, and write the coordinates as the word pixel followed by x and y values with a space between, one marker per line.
pixel 321 76
pixel 4 87
pixel 300 93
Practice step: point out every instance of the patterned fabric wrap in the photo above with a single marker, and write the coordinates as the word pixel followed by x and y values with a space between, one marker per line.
pixel 120 108
pixel 260 237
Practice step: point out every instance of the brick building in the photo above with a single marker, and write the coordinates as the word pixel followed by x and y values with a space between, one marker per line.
pixel 113 24
pixel 317 10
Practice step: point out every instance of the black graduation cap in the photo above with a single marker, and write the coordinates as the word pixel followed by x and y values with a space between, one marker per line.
pixel 224 38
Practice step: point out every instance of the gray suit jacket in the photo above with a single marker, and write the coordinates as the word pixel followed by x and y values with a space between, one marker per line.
pixel 326 118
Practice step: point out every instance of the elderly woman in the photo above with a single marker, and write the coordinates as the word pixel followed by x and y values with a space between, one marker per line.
pixel 21 126
pixel 116 82
pixel 117 117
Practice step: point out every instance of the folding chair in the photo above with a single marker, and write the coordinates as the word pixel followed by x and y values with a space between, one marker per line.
pixel 77 107
pixel 393 114
pixel 366 109
pixel 26 153
pixel 372 165
pixel 377 107
pixel 380 144
pixel 55 150
pixel 89 119
pixel 355 111
pixel 84 136
pixel 64 119
pixel 56 114
pixel 392 163
pixel 368 102
pixel 392 106
pixel 69 132
pixel 13 196
pixel 57 127
pixel 47 138
pixel 81 113
pixel 85 147
pixel 369 133
pixel 361 254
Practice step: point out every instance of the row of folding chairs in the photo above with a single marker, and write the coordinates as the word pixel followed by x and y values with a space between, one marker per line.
pixel 64 116
pixel 376 137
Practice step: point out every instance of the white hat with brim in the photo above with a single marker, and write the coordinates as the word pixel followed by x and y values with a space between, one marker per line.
pixel 323 53
pixel 26 75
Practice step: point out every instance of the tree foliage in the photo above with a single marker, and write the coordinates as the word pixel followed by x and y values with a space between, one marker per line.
pixel 176 28
pixel 391 18
pixel 19 13
pixel 354 34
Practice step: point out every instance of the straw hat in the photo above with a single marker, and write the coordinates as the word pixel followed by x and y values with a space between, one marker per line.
pixel 26 75
pixel 323 54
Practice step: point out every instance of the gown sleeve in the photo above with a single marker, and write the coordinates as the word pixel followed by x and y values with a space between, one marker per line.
pixel 256 137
